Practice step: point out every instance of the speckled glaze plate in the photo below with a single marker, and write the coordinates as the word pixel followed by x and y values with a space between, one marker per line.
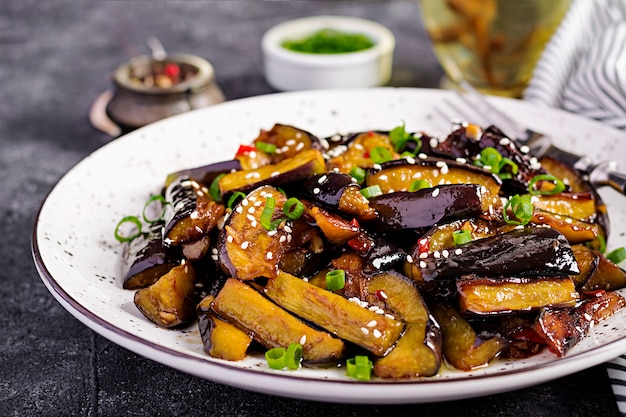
pixel 78 257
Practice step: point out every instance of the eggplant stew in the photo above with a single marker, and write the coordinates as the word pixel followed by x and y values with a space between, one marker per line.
pixel 392 253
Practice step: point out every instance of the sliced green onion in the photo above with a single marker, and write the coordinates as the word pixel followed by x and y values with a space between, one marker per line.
pixel 293 357
pixel 461 236
pixel 372 191
pixel 509 162
pixel 522 209
pixel 419 184
pixel 159 198
pixel 335 279
pixel 490 157
pixel 358 174
pixel 399 138
pixel 380 154
pixel 293 208
pixel 359 367
pixel 134 220
pixel 558 184
pixel 268 213
pixel 214 189
pixel 237 195
pixel 265 147
pixel 616 256
pixel 598 244
pixel 276 358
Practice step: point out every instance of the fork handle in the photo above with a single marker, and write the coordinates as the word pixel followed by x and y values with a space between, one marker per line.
pixel 617 180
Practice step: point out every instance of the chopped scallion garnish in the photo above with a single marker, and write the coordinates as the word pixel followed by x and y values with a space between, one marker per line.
pixel 237 195
pixel 461 236
pixel 399 138
pixel 372 191
pixel 521 207
pixel 214 189
pixel 491 159
pixel 616 256
pixel 380 155
pixel 419 184
pixel 276 358
pixel 359 367
pixel 268 213
pixel 151 200
pixel 335 279
pixel 358 174
pixel 293 208
pixel 125 222
pixel 558 185
pixel 265 147
pixel 293 357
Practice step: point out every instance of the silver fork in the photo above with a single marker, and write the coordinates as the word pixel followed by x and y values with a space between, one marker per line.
pixel 477 109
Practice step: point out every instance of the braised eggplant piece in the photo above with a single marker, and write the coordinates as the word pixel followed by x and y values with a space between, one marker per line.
pixel 575 231
pixel 273 326
pixel 169 302
pixel 602 275
pixel 400 174
pixel 248 250
pixel 204 174
pixel 441 237
pixel 374 332
pixel 580 206
pixel 564 328
pixel 587 260
pixel 275 145
pixel 356 151
pixel 468 141
pixel 146 259
pixel 522 340
pixel 531 251
pixel 462 348
pixel 568 174
pixel 426 207
pixel 288 171
pixel 190 214
pixel 418 351
pixel 221 339
pixel 334 227
pixel 490 296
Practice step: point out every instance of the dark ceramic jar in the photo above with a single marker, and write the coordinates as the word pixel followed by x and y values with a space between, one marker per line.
pixel 139 98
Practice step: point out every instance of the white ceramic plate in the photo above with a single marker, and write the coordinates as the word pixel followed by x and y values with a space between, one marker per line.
pixel 79 259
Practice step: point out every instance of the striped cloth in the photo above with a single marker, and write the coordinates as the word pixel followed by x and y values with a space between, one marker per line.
pixel 583 68
pixel 617 376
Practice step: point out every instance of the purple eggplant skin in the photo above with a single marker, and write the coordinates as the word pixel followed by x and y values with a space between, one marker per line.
pixel 426 207
pixel 181 198
pixel 527 252
pixel 146 259
pixel 205 174
pixel 325 189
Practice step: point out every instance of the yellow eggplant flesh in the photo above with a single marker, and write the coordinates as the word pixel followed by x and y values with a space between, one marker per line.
pixel 221 339
pixel 417 353
pixel 169 302
pixel 562 329
pixel 606 276
pixel 462 348
pixel 271 325
pixel 574 230
pixel 334 227
pixel 247 249
pixel 299 167
pixel 346 319
pixel 579 206
pixel 358 151
pixel 486 296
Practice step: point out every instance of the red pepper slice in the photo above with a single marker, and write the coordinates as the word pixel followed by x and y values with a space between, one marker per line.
pixel 244 150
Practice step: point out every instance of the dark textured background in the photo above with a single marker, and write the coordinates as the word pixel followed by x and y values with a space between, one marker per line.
pixel 56 57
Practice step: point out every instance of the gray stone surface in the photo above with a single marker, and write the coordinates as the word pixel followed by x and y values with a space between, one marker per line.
pixel 55 59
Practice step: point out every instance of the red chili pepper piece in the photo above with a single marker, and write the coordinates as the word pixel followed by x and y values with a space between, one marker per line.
pixel 244 150
pixel 423 245
pixel 172 70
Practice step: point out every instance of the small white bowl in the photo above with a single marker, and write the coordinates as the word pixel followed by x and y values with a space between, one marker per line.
pixel 288 70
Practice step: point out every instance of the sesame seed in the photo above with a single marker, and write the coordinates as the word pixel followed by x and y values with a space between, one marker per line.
pixel 383 177
pixel 435 192
pixel 410 159
pixel 316 190
pixel 229 238
pixel 390 316
pixel 422 155
pixel 505 141
pixel 214 257
pixel 250 217
pixel 524 149
pixel 372 323
pixel 287 229
pixel 380 311
pixel 290 142
pixel 253 223
pixel 198 229
pixel 433 142
pixel 245 245
pixel 423 255
pixel 382 294
pixel 214 251
pixel 251 210
pixel 299 146
pixel 461 160
pixel 244 202
pixel 458 251
pixel 365 331
pixel 282 238
pixel 422 264
pixel 272 232
pixel 377 167
pixel 377 334
pixel 303 339
pixel 445 253
pixel 194 214
pixel 373 308
pixel 437 254
pixel 269 256
pixel 289 238
pixel 275 174
pixel 257 203
pixel 409 259
pixel 322 179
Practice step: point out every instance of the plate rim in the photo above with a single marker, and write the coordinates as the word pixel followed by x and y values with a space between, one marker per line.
pixel 557 368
